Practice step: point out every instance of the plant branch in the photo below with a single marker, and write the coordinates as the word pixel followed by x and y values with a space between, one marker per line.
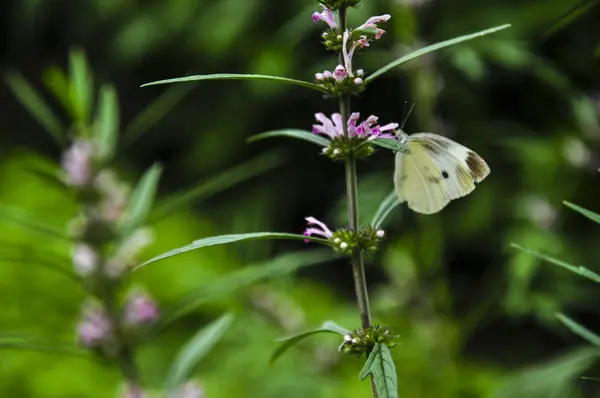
pixel 358 267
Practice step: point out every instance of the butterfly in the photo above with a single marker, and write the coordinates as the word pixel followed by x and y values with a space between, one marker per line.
pixel 434 171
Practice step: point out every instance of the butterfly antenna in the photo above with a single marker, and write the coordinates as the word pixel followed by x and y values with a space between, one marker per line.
pixel 407 115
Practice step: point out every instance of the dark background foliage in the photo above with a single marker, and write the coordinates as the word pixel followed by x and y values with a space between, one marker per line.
pixel 476 318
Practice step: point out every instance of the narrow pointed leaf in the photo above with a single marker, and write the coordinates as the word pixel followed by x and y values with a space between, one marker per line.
pixel 40 262
pixel 18 343
pixel 216 184
pixel 579 330
pixel 57 81
pixel 140 201
pixel 385 208
pixel 570 16
pixel 194 350
pixel 224 239
pixel 286 343
pixel 579 270
pixel 551 378
pixel 106 126
pixel 381 365
pixel 299 134
pixel 30 99
pixel 81 86
pixel 235 281
pixel 589 214
pixel 154 112
pixel 432 48
pixel 233 76
pixel 31 222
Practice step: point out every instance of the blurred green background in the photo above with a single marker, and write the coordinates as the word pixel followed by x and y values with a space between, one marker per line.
pixel 476 318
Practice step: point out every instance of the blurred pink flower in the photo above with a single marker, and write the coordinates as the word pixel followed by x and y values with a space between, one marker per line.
pixel 85 259
pixel 94 327
pixel 114 195
pixel 77 163
pixel 126 254
pixel 140 309
pixel 191 389
pixel 133 391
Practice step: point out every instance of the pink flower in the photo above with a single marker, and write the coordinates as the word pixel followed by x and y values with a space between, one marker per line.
pixel 340 73
pixel 94 327
pixel 368 129
pixel 85 259
pixel 191 389
pixel 323 230
pixel 127 252
pixel 133 391
pixel 114 195
pixel 373 22
pixel 326 16
pixel 140 309
pixel 77 163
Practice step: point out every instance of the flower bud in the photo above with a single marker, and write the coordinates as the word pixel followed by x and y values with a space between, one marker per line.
pixel 140 309
pixel 191 389
pixel 85 259
pixel 94 327
pixel 77 163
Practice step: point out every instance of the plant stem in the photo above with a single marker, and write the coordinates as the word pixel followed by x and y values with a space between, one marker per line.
pixel 358 266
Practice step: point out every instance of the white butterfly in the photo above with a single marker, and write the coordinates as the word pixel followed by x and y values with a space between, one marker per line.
pixel 434 171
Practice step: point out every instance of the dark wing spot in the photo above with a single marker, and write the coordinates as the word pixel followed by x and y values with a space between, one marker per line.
pixel 445 174
pixel 477 166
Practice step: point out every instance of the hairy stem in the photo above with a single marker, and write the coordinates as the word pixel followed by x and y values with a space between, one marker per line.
pixel 358 266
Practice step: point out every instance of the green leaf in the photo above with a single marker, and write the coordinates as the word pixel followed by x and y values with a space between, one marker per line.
pixel 579 270
pixel 57 82
pixel 234 76
pixel 299 134
pixel 579 330
pixel 385 208
pixel 589 214
pixel 251 274
pixel 154 112
pixel 432 48
pixel 106 125
pixel 194 350
pixel 27 261
pixel 551 378
pixel 573 14
pixel 216 184
pixel 381 365
pixel 81 86
pixel 15 342
pixel 140 201
pixel 327 327
pixel 28 97
pixel 224 239
pixel 31 222
pixel 390 143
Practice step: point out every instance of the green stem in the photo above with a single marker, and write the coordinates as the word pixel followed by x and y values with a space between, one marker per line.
pixel 358 265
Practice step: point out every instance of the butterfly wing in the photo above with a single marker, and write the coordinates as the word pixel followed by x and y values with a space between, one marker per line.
pixel 436 171
pixel 468 159
pixel 417 180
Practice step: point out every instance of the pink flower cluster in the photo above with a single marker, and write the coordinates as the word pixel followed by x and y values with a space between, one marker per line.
pixel 368 129
pixel 349 47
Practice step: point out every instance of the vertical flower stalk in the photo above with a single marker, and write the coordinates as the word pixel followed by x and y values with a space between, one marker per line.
pixel 101 256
